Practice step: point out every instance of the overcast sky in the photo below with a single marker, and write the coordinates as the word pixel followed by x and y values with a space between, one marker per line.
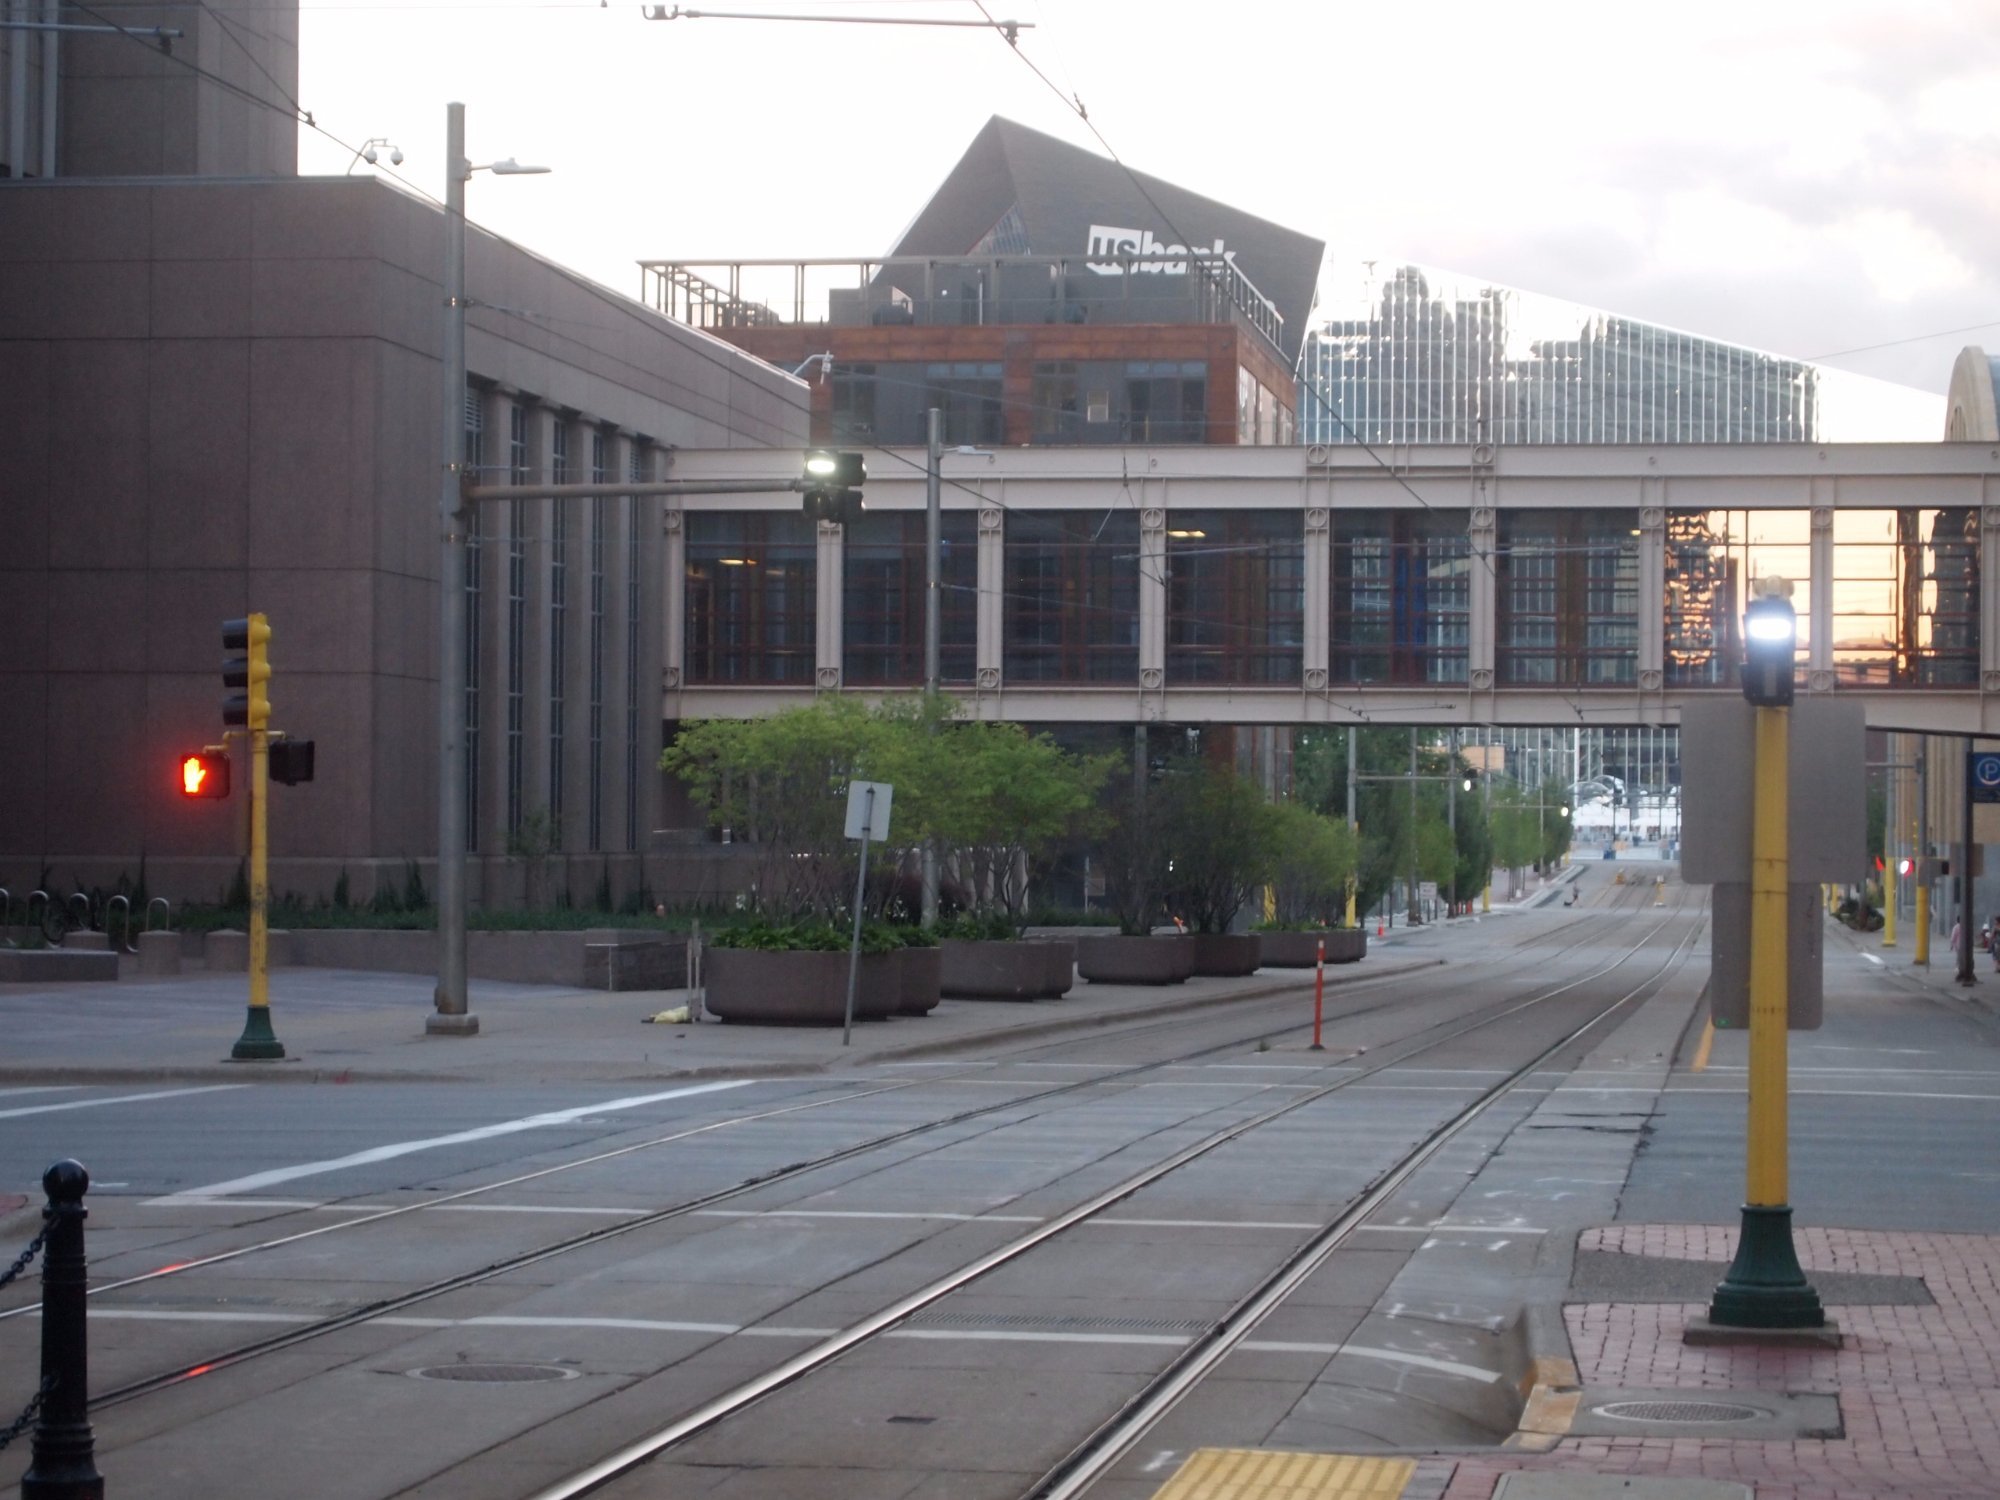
pixel 1806 178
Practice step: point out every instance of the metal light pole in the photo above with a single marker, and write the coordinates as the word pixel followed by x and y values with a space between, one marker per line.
pixel 451 1017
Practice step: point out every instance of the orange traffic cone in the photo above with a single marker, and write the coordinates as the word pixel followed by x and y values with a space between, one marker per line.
pixel 1378 927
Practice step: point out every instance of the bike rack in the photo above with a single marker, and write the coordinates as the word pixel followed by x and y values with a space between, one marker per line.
pixel 89 912
pixel 128 946
pixel 160 901
pixel 7 913
pixel 48 910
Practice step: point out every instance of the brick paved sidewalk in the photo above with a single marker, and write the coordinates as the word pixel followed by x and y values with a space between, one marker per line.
pixel 1919 1387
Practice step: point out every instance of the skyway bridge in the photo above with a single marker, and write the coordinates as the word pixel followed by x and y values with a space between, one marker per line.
pixel 1334 585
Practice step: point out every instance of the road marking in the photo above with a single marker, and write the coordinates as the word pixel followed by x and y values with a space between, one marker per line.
pixel 44 1109
pixel 858 1213
pixel 1391 1356
pixel 42 1088
pixel 1731 1091
pixel 375 1154
pixel 1873 959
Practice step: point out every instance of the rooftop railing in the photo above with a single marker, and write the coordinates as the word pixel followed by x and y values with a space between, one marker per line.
pixel 961 291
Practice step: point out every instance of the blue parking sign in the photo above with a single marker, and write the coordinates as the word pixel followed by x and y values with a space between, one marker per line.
pixel 1982 775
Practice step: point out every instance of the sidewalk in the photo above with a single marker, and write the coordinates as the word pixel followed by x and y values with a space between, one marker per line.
pixel 341 1026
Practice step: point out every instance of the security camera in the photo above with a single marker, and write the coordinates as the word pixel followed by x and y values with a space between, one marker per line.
pixel 395 156
pixel 368 156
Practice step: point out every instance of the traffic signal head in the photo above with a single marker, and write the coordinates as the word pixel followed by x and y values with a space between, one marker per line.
pixel 1770 633
pixel 204 773
pixel 249 673
pixel 832 485
pixel 291 761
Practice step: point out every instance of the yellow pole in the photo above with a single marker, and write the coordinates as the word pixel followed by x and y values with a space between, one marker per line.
pixel 260 889
pixel 1767 1148
pixel 1486 897
pixel 1923 955
pixel 1888 903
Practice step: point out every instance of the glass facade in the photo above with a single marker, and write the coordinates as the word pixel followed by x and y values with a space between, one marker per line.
pixel 883 603
pixel 1235 596
pixel 1567 598
pixel 1072 596
pixel 1400 597
pixel 1904 592
pixel 750 601
pixel 1420 358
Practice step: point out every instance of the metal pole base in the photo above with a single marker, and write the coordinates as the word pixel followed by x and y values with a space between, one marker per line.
pixel 258 1042
pixel 464 1023
pixel 1765 1287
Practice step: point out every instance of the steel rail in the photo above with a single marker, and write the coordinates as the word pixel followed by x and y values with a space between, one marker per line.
pixel 740 1397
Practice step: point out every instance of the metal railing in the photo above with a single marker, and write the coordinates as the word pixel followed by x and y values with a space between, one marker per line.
pixel 961 291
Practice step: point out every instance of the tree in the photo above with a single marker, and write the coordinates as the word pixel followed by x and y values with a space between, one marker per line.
pixel 1220 840
pixel 1315 858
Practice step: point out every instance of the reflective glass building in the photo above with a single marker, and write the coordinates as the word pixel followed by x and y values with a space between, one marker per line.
pixel 1416 357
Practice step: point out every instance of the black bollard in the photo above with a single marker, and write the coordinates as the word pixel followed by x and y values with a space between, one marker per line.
pixel 64 1465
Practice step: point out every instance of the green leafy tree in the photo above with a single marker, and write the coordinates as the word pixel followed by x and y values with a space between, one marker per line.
pixel 1220 840
pixel 1315 857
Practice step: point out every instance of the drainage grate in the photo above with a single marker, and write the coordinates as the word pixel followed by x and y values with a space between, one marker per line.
pixel 494 1374
pixel 1680 1411
pixel 1058 1323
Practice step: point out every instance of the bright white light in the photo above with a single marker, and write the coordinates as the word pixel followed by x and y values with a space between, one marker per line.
pixel 1769 625
pixel 819 463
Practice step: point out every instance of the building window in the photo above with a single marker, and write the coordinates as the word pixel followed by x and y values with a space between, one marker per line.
pixel 475 459
pixel 853 397
pixel 1400 597
pixel 1235 596
pixel 1072 596
pixel 1166 401
pixel 558 621
pixel 517 610
pixel 883 598
pixel 1568 598
pixel 969 396
pixel 600 519
pixel 750 597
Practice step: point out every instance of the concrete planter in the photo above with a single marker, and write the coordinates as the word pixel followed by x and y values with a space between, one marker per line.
pixel 1295 950
pixel 799 989
pixel 923 974
pixel 1061 959
pixel 1227 955
pixel 1135 960
pixel 997 969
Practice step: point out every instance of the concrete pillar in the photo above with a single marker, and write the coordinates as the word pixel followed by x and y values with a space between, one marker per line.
pixel 490 674
pixel 1652 594
pixel 1989 596
pixel 1482 597
pixel 649 548
pixel 1152 598
pixel 990 651
pixel 568 791
pixel 1317 624
pixel 538 519
pixel 617 542
pixel 1819 650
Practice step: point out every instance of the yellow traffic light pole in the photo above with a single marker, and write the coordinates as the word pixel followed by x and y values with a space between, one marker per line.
pixel 1765 1289
pixel 258 1042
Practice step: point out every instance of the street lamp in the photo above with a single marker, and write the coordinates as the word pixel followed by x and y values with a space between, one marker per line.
pixel 451 1017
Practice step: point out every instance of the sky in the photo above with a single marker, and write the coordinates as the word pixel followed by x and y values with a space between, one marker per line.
pixel 1812 179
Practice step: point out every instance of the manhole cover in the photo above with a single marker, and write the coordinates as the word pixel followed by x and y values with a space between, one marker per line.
pixel 1680 1411
pixel 495 1374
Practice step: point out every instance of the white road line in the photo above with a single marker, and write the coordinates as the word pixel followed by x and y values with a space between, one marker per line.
pixel 375 1154
pixel 1842 1094
pixel 856 1213
pixel 1030 1336
pixel 41 1088
pixel 641 1325
pixel 44 1109
pixel 1192 1224
pixel 1873 959
pixel 1393 1356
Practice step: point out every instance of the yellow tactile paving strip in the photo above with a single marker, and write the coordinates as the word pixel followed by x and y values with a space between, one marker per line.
pixel 1248 1474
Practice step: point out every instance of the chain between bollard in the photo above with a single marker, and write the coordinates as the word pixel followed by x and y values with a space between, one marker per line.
pixel 26 1258
pixel 27 1418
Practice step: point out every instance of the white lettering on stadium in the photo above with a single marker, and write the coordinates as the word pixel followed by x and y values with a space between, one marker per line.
pixel 1113 249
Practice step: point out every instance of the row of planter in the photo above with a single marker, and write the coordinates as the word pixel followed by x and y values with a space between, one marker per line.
pixel 810 989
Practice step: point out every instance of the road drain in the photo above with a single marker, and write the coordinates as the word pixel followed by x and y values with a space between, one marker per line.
pixel 1679 1411
pixel 494 1374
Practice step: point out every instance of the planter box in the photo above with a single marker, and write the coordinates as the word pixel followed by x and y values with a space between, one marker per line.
pixel 923 970
pixel 1061 960
pixel 798 989
pixel 1295 950
pixel 998 969
pixel 1228 955
pixel 1135 960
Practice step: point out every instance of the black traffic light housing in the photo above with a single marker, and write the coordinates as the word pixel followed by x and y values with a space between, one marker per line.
pixel 291 761
pixel 249 673
pixel 1770 637
pixel 833 483
pixel 204 773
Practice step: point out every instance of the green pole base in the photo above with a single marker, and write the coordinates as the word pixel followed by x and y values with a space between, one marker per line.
pixel 258 1042
pixel 1765 1287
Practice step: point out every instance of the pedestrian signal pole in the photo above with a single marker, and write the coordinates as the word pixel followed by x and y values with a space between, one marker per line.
pixel 249 708
pixel 1765 1289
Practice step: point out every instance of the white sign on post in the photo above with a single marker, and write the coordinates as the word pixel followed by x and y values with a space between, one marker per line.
pixel 863 819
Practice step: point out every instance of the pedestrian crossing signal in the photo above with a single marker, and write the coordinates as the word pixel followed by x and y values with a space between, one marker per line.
pixel 205 774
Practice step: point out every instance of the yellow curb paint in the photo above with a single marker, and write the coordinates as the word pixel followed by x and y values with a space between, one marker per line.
pixel 1251 1474
pixel 1707 1041
pixel 1552 1392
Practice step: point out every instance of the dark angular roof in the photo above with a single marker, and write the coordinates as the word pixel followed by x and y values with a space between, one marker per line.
pixel 1059 192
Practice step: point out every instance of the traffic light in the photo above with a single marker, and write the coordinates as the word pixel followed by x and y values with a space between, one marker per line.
pixel 1770 634
pixel 250 673
pixel 833 483
pixel 291 761
pixel 204 773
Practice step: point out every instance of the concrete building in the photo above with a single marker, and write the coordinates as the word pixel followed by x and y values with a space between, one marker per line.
pixel 220 393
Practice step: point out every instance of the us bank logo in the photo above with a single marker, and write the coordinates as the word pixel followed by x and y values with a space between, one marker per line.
pixel 1114 251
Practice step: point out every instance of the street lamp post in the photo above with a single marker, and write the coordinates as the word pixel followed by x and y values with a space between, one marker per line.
pixel 451 1016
